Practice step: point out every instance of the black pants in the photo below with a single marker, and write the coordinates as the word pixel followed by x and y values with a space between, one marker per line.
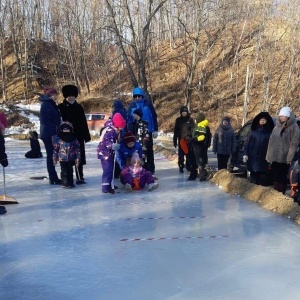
pixel 181 157
pixel 150 155
pixel 67 173
pixel 222 161
pixel 79 172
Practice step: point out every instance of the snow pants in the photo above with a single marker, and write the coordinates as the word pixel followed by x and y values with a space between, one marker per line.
pixel 136 183
pixel 67 173
pixel 107 175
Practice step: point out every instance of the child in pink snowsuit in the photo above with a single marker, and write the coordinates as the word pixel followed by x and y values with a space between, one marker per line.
pixel 135 177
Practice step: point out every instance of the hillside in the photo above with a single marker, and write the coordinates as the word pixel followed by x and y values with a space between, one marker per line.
pixel 253 62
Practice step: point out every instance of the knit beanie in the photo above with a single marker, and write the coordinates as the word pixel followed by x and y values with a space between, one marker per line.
pixel 49 91
pixel 118 120
pixel 135 157
pixel 70 90
pixel 66 125
pixel 184 109
pixel 226 118
pixel 285 111
pixel 129 138
pixel 138 112
pixel 200 117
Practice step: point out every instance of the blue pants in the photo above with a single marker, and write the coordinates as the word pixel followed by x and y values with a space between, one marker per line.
pixel 50 167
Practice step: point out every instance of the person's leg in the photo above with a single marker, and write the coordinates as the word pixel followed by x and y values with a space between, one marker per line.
pixel 64 173
pixel 53 178
pixel 70 171
pixel 180 159
pixel 150 155
pixel 107 175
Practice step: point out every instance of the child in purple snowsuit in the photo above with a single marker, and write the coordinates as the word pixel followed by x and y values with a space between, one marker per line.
pixel 107 147
pixel 135 177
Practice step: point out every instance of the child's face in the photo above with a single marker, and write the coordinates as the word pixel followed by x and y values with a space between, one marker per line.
pixel 130 144
pixel 136 163
pixel 136 117
pixel 66 130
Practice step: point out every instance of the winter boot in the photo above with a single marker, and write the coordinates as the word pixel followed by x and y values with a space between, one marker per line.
pixel 128 187
pixel 180 170
pixel 203 174
pixel 2 210
pixel 193 174
pixel 152 186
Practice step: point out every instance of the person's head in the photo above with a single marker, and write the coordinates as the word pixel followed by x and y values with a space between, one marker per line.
pixel 138 93
pixel 117 105
pixel 51 92
pixel 262 121
pixel 137 114
pixel 129 139
pixel 118 121
pixel 200 117
pixel 33 135
pixel 184 111
pixel 135 160
pixel 225 121
pixel 66 127
pixel 70 92
pixel 284 114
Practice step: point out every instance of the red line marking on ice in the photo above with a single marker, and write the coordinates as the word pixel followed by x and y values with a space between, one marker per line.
pixel 174 238
pixel 139 203
pixel 163 218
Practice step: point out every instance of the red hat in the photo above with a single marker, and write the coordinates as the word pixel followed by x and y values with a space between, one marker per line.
pixel 118 120
pixel 129 138
pixel 3 119
pixel 49 91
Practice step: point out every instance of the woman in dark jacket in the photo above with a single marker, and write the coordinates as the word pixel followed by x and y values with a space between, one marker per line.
pixel 73 112
pixel 256 146
pixel 50 120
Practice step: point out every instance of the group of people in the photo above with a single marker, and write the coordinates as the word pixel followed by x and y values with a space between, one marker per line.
pixel 194 137
pixel 269 148
pixel 125 148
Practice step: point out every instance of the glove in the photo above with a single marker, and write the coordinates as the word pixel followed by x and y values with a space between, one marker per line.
pixel 245 158
pixel 4 163
pixel 289 163
pixel 155 134
pixel 115 146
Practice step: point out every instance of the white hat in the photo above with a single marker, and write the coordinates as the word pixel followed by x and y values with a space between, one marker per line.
pixel 285 111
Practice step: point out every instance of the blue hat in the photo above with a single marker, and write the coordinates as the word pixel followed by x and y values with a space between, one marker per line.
pixel 138 91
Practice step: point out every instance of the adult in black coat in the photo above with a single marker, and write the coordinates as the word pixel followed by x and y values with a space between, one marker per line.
pixel 182 132
pixel 256 147
pixel 73 112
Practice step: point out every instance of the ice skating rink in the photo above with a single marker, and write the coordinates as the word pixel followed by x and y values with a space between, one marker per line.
pixel 185 240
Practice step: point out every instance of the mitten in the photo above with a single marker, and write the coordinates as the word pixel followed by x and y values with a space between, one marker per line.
pixel 155 134
pixel 4 163
pixel 115 146
pixel 245 158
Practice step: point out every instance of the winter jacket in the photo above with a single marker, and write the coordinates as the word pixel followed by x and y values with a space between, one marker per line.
pixel 183 128
pixel 109 136
pixel 3 156
pixel 201 134
pixel 284 141
pixel 139 128
pixel 149 113
pixel 125 152
pixel 66 149
pixel 50 117
pixel 74 114
pixel 119 107
pixel 224 140
pixel 256 145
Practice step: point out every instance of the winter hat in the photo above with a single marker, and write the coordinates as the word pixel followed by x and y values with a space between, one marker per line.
pixel 3 120
pixel 70 90
pixel 118 120
pixel 226 118
pixel 129 138
pixel 66 125
pixel 33 134
pixel 49 91
pixel 200 117
pixel 138 112
pixel 285 111
pixel 184 109
pixel 135 157
pixel 138 91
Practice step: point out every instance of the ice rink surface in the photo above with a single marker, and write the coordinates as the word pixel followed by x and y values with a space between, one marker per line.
pixel 185 240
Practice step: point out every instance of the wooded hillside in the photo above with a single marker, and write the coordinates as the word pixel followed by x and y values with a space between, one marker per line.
pixel 221 57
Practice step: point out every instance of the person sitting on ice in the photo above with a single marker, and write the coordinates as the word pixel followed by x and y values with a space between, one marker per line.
pixel 128 146
pixel 35 146
pixel 135 177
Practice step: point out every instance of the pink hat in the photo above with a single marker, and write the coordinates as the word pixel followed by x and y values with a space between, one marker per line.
pixel 49 91
pixel 118 120
pixel 3 120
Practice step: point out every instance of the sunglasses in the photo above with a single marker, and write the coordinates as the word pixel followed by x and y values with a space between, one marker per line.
pixel 137 96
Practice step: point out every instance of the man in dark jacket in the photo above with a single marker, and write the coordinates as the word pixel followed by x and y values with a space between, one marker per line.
pixel 182 133
pixel 73 112
pixel 149 115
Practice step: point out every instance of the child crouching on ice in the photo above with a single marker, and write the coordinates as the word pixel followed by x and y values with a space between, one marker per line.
pixel 135 177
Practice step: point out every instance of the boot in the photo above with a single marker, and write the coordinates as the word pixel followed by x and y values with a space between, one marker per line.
pixel 2 210
pixel 193 174
pixel 276 186
pixel 203 174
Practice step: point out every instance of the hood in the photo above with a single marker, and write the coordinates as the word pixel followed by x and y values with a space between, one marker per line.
pixel 117 105
pixel 44 98
pixel 270 123
pixel 138 91
pixel 203 123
